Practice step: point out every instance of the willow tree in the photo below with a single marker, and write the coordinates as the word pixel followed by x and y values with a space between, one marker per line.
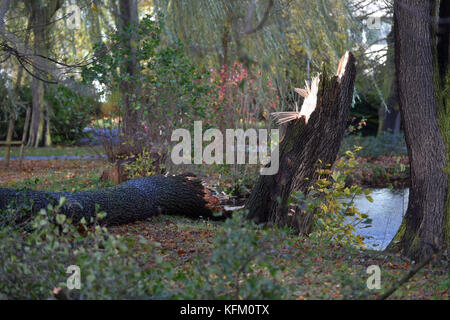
pixel 281 38
pixel 48 50
pixel 41 13
pixel 419 86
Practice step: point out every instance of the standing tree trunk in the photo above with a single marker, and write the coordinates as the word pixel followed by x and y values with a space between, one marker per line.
pixel 303 145
pixel 41 13
pixel 129 17
pixel 415 46
pixel 37 119
pixel 443 50
pixel 390 118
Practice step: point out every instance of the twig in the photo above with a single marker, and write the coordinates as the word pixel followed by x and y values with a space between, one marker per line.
pixel 410 274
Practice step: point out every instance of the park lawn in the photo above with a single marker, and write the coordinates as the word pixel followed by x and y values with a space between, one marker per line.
pixel 79 151
pixel 54 175
pixel 314 269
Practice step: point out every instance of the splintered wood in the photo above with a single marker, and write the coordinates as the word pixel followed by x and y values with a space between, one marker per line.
pixel 310 94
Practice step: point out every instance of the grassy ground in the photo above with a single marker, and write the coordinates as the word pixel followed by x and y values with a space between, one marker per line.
pixel 56 151
pixel 326 271
pixel 54 175
pixel 317 270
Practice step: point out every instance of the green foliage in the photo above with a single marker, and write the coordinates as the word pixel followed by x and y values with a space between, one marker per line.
pixel 237 180
pixel 36 251
pixel 145 164
pixel 334 218
pixel 35 256
pixel 386 144
pixel 71 113
pixel 242 265
pixel 295 32
pixel 164 89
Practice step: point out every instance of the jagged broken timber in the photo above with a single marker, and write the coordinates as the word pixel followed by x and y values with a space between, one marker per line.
pixel 308 106
pixel 310 95
pixel 309 143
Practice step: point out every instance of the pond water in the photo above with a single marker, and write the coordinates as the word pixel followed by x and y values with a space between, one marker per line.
pixel 386 212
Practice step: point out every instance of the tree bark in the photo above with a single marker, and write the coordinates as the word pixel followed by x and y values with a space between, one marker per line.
pixel 443 51
pixel 127 202
pixel 37 118
pixel 443 44
pixel 129 17
pixel 303 145
pixel 415 67
pixel 41 13
pixel 391 117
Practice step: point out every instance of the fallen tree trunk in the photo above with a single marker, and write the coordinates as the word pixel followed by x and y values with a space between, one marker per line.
pixel 130 201
pixel 313 134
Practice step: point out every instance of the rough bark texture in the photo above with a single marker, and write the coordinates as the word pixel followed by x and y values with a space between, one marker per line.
pixel 302 146
pixel 41 13
pixel 390 118
pixel 443 50
pixel 130 70
pixel 130 201
pixel 443 45
pixel 415 67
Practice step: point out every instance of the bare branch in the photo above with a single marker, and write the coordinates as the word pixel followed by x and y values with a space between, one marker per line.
pixel 51 70
pixel 248 29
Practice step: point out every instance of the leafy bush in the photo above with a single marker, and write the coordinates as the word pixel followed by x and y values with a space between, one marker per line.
pixel 35 253
pixel 167 92
pixel 332 217
pixel 236 180
pixel 71 113
pixel 242 265
pixel 34 258
pixel 145 164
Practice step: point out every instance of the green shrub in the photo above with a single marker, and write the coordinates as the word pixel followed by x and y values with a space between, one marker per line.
pixel 242 265
pixel 146 164
pixel 34 257
pixel 35 253
pixel 175 90
pixel 333 218
pixel 71 113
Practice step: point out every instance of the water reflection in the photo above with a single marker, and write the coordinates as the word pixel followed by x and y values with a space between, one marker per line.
pixel 386 211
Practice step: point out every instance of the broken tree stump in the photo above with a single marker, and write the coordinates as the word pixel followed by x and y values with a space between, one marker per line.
pixel 312 134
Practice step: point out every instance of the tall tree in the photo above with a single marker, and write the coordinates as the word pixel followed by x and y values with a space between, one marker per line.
pixel 418 90
pixel 128 17
pixel 389 119
pixel 41 13
pixel 443 51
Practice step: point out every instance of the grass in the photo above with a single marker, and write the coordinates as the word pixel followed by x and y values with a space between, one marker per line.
pixel 54 175
pixel 56 151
